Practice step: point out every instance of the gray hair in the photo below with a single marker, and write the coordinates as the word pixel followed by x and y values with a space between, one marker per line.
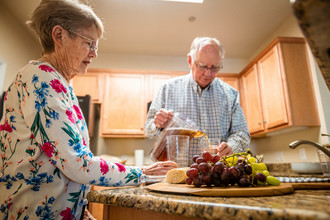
pixel 69 14
pixel 200 42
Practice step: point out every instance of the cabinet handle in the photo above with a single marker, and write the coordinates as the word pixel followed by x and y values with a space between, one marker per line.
pixel 264 122
pixel 259 123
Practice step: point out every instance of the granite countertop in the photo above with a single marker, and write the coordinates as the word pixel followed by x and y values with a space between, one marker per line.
pixel 302 204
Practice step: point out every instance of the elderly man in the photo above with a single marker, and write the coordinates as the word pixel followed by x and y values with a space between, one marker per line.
pixel 212 104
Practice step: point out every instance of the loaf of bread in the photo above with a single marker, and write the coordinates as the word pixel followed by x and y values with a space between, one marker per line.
pixel 176 175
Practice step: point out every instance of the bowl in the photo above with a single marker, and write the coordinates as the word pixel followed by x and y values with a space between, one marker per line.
pixel 306 167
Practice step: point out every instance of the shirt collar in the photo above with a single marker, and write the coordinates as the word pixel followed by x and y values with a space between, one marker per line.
pixel 196 87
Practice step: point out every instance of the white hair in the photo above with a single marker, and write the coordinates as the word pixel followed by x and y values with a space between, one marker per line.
pixel 200 42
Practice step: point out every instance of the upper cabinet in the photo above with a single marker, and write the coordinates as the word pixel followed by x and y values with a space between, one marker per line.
pixel 231 79
pixel 124 107
pixel 251 101
pixel 156 79
pixel 125 101
pixel 89 84
pixel 277 89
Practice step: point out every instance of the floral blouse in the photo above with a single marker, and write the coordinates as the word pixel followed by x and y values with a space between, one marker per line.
pixel 46 167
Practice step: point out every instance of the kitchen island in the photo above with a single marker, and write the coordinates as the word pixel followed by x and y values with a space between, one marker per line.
pixel 140 203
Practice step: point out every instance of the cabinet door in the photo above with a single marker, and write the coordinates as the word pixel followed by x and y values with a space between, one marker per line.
pixel 88 84
pixel 123 111
pixel 272 89
pixel 155 82
pixel 231 80
pixel 251 100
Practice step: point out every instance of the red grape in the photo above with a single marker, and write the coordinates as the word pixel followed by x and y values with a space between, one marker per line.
pixel 248 169
pixel 207 179
pixel 216 179
pixel 261 177
pixel 225 177
pixel 192 172
pixel 203 167
pixel 189 180
pixel 244 182
pixel 234 175
pixel 200 160
pixel 215 158
pixel 194 165
pixel 241 167
pixel 207 156
pixel 197 181
pixel 195 158
pixel 218 167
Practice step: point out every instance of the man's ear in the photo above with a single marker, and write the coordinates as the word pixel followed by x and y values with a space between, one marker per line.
pixel 57 35
pixel 189 59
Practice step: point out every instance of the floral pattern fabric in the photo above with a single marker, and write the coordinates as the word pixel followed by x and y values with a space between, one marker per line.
pixel 46 167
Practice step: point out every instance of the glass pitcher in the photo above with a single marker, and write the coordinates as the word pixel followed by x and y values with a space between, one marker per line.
pixel 179 125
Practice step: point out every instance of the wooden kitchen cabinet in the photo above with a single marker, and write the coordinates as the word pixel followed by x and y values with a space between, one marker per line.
pixel 155 80
pixel 231 79
pixel 123 110
pixel 277 89
pixel 252 102
pixel 89 84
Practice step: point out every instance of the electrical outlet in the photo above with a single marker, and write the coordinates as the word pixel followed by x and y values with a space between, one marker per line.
pixel 279 156
pixel 302 154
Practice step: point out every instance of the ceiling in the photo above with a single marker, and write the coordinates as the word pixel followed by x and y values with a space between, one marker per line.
pixel 155 27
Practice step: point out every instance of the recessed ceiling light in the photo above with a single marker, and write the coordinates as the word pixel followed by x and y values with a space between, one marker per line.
pixel 192 18
pixel 188 1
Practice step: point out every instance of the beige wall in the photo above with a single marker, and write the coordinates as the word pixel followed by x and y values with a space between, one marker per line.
pixel 17 47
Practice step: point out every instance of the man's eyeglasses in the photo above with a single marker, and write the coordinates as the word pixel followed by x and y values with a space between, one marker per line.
pixel 214 69
pixel 91 43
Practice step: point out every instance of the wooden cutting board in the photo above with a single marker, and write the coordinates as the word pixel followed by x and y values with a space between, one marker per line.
pixel 311 185
pixel 283 188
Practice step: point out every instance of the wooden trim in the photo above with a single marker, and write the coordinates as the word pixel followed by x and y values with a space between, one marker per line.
pixel 270 46
pixel 133 71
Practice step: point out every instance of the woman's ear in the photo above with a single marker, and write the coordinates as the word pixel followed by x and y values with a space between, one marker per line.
pixel 57 35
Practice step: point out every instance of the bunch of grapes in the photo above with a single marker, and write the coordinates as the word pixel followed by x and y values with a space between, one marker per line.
pixel 241 169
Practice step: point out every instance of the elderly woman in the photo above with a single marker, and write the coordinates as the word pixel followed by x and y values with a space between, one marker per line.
pixel 46 167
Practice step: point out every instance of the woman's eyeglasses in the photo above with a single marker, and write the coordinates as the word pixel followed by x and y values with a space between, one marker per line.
pixel 91 43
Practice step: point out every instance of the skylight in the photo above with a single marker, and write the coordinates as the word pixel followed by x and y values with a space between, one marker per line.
pixel 187 1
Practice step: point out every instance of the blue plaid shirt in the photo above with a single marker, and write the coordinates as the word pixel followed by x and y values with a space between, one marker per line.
pixel 215 110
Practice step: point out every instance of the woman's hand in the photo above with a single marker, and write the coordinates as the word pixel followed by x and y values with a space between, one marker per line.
pixel 159 168
pixel 224 149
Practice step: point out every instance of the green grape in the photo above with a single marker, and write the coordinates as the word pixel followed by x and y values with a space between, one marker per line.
pixel 232 161
pixel 255 166
pixel 273 181
pixel 265 172
pixel 252 159
pixel 262 166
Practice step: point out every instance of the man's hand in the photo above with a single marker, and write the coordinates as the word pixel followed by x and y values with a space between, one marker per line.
pixel 224 149
pixel 162 118
pixel 159 168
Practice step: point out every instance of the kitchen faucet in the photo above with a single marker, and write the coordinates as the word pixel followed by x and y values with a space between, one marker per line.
pixel 295 144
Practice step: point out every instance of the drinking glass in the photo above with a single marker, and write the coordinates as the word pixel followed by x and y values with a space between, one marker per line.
pixel 178 149
pixel 214 144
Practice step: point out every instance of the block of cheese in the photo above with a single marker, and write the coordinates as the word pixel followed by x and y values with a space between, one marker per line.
pixel 176 175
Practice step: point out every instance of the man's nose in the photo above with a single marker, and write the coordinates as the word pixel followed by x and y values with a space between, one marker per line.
pixel 208 72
